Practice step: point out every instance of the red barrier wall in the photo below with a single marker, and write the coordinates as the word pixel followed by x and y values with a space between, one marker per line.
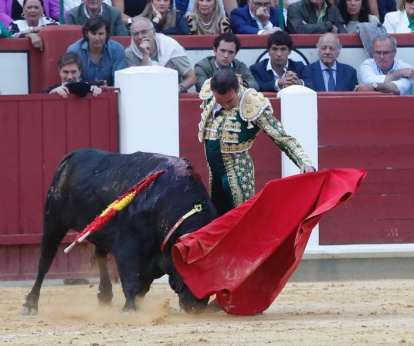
pixel 36 132
pixel 375 133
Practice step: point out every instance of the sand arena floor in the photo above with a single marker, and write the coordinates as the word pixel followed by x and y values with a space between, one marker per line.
pixel 317 313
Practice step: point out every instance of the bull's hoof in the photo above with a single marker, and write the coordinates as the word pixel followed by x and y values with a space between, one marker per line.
pixel 129 308
pixel 104 299
pixel 213 307
pixel 29 310
pixel 193 309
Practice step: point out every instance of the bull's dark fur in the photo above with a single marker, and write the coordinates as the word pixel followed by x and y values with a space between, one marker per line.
pixel 86 182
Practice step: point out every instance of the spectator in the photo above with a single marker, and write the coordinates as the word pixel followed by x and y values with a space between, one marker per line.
pixel 101 57
pixel 4 33
pixel 257 17
pixel 385 6
pixel 227 142
pixel 207 18
pixel 33 22
pixel 70 67
pixel 327 74
pixel 225 47
pixel 89 8
pixel 69 4
pixel 314 17
pixel 401 21
pixel 151 48
pixel 278 72
pixel 129 9
pixel 11 10
pixel 385 72
pixel 354 12
pixel 166 19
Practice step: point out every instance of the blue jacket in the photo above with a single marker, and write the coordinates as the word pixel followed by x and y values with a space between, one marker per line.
pixel 346 77
pixel 243 23
pixel 112 59
pixel 265 78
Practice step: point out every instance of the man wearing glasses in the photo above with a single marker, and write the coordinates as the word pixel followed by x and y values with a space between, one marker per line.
pixel 384 72
pixel 257 17
pixel 149 48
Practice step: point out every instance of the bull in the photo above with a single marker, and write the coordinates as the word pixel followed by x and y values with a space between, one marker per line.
pixel 86 182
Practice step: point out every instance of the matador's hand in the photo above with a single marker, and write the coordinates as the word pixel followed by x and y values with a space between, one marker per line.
pixel 307 169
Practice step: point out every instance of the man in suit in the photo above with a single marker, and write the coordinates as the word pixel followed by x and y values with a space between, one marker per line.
pixel 89 8
pixel 278 72
pixel 327 74
pixel 225 47
pixel 257 17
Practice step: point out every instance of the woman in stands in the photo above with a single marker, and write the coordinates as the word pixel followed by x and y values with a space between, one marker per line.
pixel 165 18
pixel 402 20
pixel 34 21
pixel 11 10
pixel 207 18
pixel 354 12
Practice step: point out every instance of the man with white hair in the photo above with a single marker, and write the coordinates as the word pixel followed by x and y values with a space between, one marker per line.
pixel 386 73
pixel 328 74
pixel 150 48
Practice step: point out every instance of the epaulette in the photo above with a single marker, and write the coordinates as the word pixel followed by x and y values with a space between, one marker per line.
pixel 252 105
pixel 206 92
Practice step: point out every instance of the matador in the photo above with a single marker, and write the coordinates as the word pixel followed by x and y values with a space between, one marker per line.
pixel 231 119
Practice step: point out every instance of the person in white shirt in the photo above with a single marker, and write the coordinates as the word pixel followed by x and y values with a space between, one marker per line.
pixel 385 72
pixel 402 20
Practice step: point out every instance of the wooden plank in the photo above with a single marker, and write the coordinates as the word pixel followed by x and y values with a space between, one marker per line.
pixel 372 157
pixel 99 123
pixel 363 231
pixel 388 182
pixel 9 172
pixel 374 207
pixel 365 132
pixel 77 124
pixel 31 166
pixel 9 259
pixel 378 108
pixel 54 138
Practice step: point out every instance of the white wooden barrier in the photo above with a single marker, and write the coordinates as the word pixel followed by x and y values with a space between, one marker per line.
pixel 148 110
pixel 299 117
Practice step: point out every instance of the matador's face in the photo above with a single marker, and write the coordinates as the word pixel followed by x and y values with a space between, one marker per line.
pixel 228 100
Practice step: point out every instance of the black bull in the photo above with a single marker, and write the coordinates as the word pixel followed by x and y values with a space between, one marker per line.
pixel 86 182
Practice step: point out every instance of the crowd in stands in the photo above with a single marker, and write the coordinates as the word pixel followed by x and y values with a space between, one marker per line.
pixel 150 22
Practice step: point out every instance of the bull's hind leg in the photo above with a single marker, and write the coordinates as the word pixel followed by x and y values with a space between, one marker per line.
pixel 52 237
pixel 105 286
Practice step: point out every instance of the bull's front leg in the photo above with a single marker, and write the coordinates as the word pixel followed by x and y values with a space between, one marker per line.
pixel 134 284
pixel 105 286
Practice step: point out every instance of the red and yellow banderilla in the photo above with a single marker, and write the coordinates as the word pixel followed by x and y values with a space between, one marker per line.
pixel 120 203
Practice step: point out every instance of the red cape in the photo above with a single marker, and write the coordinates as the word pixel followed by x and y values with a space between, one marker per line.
pixel 246 256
